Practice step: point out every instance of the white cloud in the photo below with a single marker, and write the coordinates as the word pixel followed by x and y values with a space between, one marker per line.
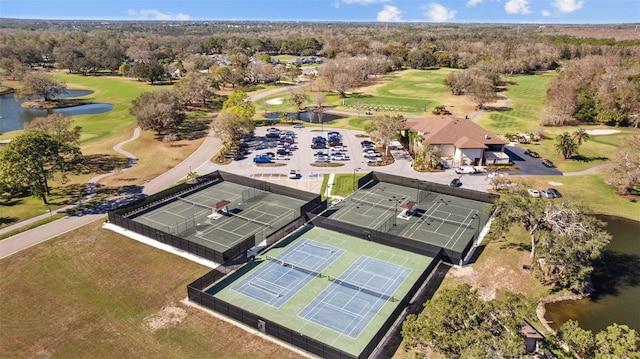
pixel 154 14
pixel 517 7
pixel 567 6
pixel 364 2
pixel 389 13
pixel 473 3
pixel 438 13
pixel 545 13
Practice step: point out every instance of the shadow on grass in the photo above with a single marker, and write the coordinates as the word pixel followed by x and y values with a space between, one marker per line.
pixel 101 163
pixel 582 158
pixel 6 220
pixel 476 254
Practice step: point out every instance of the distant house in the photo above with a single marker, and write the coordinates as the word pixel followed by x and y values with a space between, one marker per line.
pixel 460 141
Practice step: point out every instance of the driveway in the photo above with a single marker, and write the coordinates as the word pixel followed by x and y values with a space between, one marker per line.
pixel 529 165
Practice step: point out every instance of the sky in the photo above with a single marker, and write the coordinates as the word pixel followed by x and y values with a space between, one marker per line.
pixel 438 11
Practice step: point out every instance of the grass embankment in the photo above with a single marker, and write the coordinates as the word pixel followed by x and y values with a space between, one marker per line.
pixel 92 292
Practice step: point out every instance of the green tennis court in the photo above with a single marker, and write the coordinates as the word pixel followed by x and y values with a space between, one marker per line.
pixel 361 280
pixel 222 215
pixel 438 219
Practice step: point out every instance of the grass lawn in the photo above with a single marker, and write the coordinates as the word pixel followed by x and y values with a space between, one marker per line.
pixel 591 190
pixel 527 95
pixel 95 293
pixel 100 132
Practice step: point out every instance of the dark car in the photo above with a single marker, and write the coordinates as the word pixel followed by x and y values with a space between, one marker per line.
pixel 455 183
pixel 548 163
pixel 554 192
pixel 366 143
pixel 534 154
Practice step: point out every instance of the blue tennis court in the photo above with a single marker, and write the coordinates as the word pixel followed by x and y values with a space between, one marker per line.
pixel 283 276
pixel 354 298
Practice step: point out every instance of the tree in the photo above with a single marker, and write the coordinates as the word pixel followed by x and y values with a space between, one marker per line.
pixel 41 85
pixel 239 103
pixel 458 82
pixel 33 159
pixel 297 97
pixel 481 91
pixel 230 126
pixel 320 100
pixel 566 145
pixel 57 126
pixel 458 324
pixel 385 128
pixel 151 72
pixel 158 110
pixel 617 341
pixel 625 170
pixel 568 239
pixel 581 341
pixel 581 135
pixel 195 87
pixel 341 74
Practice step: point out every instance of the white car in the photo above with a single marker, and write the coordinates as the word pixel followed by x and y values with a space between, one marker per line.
pixel 534 193
pixel 465 169
pixel 339 157
pixel 282 157
pixel 339 148
pixel 372 159
pixel 293 174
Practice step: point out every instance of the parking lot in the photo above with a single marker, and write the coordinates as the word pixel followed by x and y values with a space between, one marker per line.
pixel 310 174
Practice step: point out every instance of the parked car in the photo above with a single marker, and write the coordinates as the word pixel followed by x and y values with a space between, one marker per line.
pixel 534 154
pixel 262 159
pixel 282 157
pixel 366 143
pixel 545 194
pixel 322 159
pixel 555 192
pixel 297 125
pixel 465 169
pixel 547 163
pixel 339 157
pixel 339 148
pixel 270 154
pixel 533 193
pixel 455 182
pixel 282 151
pixel 372 159
pixel 293 174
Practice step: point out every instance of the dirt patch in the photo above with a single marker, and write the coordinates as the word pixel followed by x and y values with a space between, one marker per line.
pixel 554 183
pixel 168 317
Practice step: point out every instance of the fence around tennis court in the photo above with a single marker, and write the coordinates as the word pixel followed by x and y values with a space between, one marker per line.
pixel 123 217
pixel 197 292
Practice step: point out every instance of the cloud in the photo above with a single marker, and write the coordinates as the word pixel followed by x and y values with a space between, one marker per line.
pixel 545 13
pixel 364 2
pixel 154 14
pixel 389 13
pixel 567 6
pixel 473 3
pixel 438 13
pixel 517 7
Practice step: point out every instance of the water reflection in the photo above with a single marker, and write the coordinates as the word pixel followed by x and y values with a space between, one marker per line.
pixel 13 116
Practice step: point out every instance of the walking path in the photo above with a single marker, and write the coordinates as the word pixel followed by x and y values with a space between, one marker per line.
pixel 199 159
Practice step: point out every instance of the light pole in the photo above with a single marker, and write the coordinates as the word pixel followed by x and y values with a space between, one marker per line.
pixel 417 190
pixel 354 178
pixel 476 216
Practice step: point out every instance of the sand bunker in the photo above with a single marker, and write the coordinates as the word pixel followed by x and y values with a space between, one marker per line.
pixel 274 101
pixel 553 183
pixel 602 132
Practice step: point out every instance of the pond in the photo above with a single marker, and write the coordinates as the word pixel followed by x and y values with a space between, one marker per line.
pixel 13 116
pixel 310 117
pixel 617 281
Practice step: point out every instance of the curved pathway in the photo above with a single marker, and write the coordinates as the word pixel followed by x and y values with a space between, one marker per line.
pixel 588 171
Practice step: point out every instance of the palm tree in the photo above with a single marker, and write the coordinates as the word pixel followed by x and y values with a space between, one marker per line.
pixel 566 145
pixel 581 135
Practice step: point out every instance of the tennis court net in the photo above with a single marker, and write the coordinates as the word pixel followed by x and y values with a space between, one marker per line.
pixel 193 203
pixel 362 289
pixel 446 220
pixel 373 204
pixel 284 263
pixel 248 219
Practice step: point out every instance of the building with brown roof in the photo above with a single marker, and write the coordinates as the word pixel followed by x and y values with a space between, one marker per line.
pixel 461 142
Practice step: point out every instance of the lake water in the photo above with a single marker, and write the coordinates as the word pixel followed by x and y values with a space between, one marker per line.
pixel 13 116
pixel 617 281
pixel 310 117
